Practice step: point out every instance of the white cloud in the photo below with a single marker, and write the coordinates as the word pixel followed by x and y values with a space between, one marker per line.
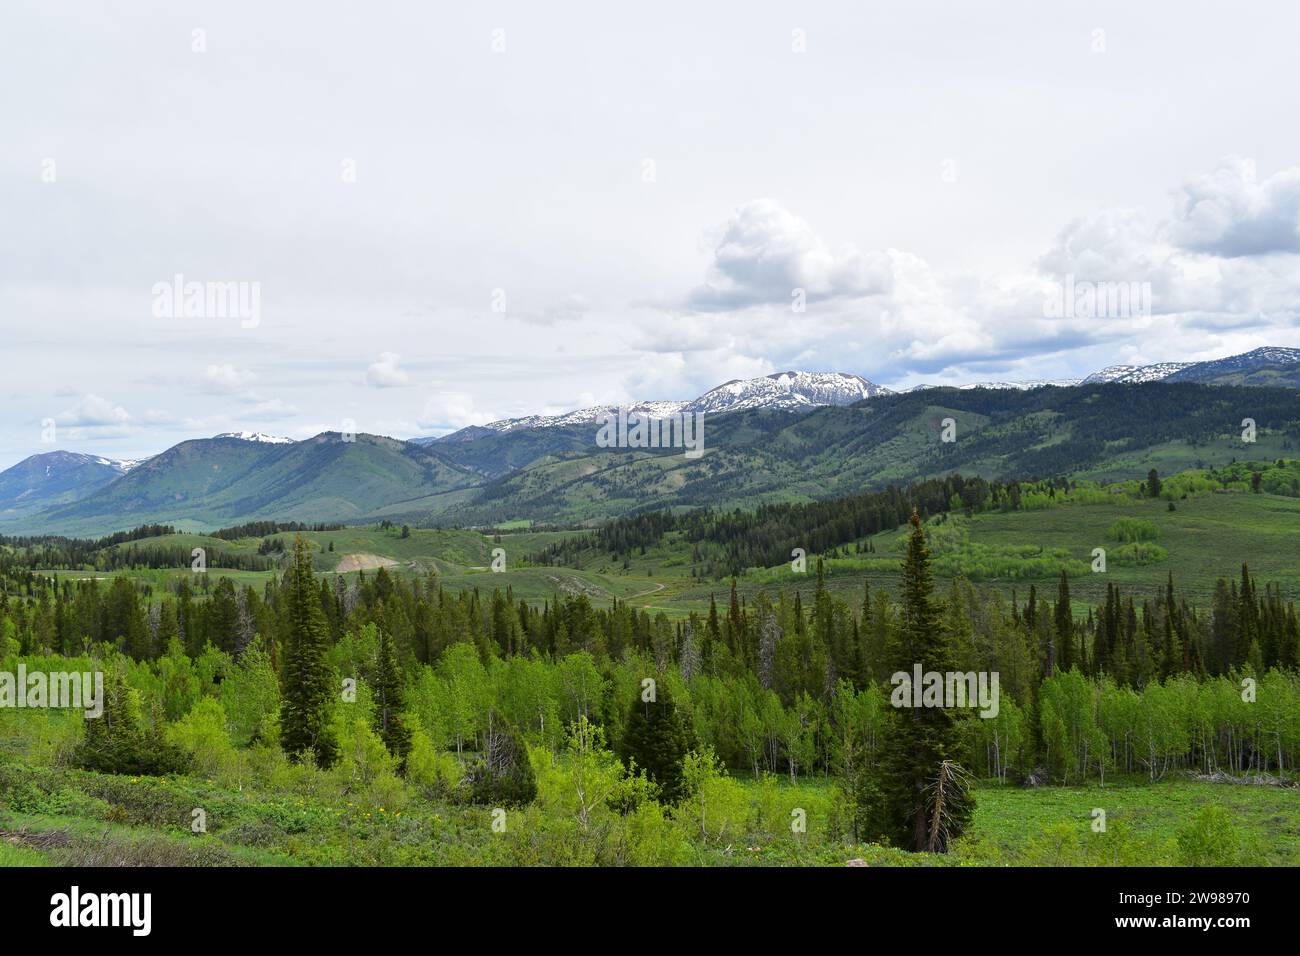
pixel 448 411
pixel 225 379
pixel 892 315
pixel 764 252
pixel 92 411
pixel 1229 213
pixel 571 308
pixel 385 373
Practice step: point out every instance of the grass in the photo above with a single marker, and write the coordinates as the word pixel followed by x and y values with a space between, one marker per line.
pixel 69 817
pixel 1203 539
pixel 1054 825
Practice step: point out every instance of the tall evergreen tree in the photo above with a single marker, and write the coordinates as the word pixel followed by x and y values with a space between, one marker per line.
pixel 308 690
pixel 1064 626
pixel 923 742
pixel 657 739
pixel 390 701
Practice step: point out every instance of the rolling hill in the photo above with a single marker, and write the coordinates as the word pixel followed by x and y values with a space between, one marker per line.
pixel 208 483
pixel 792 436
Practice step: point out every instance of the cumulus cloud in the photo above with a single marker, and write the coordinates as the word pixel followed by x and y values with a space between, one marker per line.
pixel 1230 213
pixel 764 252
pixel 385 373
pixel 1222 267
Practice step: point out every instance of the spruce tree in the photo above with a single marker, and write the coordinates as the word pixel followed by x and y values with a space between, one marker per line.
pixel 656 739
pixel 1064 626
pixel 308 690
pixel 923 743
pixel 390 701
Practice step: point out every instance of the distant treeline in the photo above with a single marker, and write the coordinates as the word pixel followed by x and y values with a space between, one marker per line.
pixel 767 535
pixel 107 553
pixel 260 529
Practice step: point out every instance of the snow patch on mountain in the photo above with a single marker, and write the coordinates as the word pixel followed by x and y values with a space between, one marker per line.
pixel 794 391
pixel 1130 374
pixel 781 390
pixel 257 437
pixel 786 391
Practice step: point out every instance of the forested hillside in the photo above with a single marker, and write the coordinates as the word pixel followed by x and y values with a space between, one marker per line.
pixel 560 475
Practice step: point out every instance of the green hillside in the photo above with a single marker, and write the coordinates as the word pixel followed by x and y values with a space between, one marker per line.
pixel 1102 431
pixel 214 482
pixel 1217 524
pixel 560 476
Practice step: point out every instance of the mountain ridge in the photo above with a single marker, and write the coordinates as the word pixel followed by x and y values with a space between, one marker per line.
pixel 794 389
pixel 553 467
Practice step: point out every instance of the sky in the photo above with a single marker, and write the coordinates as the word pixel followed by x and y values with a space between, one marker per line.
pixel 440 215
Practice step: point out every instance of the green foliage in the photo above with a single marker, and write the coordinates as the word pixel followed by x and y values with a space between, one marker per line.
pixel 202 734
pixel 390 700
pixel 1137 554
pixel 656 739
pixel 502 776
pixel 922 744
pixel 1209 839
pixel 1128 530
pixel 118 742
pixel 308 680
pixel 250 694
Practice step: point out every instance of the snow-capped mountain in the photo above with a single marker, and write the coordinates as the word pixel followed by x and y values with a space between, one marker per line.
pixel 583 416
pixel 791 391
pixel 787 390
pixel 122 464
pixel 781 390
pixel 1018 386
pixel 257 437
pixel 1246 362
pixel 56 477
pixel 1197 371
pixel 1136 373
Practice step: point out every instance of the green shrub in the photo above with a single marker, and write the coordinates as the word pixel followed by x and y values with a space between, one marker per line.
pixel 1209 839
pixel 116 741
pixel 1130 530
pixel 502 775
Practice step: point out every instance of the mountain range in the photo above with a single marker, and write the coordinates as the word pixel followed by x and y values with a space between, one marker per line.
pixel 796 390
pixel 791 435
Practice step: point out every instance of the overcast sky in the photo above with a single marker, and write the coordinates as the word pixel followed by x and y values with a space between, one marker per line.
pixel 458 215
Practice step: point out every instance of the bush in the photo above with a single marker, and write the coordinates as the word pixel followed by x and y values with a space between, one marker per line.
pixel 435 772
pixel 1132 530
pixel 116 742
pixel 1209 839
pixel 202 734
pixel 1137 554
pixel 502 775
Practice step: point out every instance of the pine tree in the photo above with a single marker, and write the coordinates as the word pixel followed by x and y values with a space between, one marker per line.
pixel 390 701
pixel 923 742
pixel 502 775
pixel 656 739
pixel 1153 484
pixel 308 691
pixel 1064 626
